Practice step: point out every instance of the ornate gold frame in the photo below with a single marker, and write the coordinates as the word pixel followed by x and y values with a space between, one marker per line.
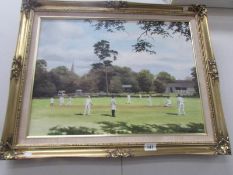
pixel 10 149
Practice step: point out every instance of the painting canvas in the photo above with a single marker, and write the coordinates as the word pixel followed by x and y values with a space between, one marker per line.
pixel 101 77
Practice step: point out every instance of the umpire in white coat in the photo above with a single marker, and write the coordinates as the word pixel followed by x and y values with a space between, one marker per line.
pixel 113 106
pixel 180 104
pixel 87 107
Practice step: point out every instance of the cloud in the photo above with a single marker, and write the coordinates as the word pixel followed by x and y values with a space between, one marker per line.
pixel 63 42
pixel 144 59
pixel 54 31
pixel 177 63
pixel 58 56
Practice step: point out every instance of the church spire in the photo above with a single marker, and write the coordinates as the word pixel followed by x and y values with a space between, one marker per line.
pixel 72 67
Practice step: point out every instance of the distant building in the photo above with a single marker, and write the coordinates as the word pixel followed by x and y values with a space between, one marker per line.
pixel 182 87
pixel 61 93
pixel 79 92
pixel 127 87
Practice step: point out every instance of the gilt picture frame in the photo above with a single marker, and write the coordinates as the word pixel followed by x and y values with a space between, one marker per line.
pixel 113 79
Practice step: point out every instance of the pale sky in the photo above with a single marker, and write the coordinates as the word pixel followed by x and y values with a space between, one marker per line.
pixel 63 42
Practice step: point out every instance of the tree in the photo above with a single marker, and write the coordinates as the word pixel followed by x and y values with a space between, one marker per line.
pixel 89 83
pixel 41 65
pixel 64 79
pixel 108 25
pixel 96 66
pixel 159 87
pixel 106 56
pixel 145 80
pixel 44 89
pixel 127 76
pixel 165 77
pixel 40 72
pixel 42 85
pixel 124 76
pixel 149 29
pixel 194 79
pixel 102 50
pixel 143 46
pixel 115 85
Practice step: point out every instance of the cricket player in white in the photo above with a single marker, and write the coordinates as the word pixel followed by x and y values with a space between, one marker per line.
pixel 51 101
pixel 149 101
pixel 69 101
pixel 61 100
pixel 113 106
pixel 140 96
pixel 128 99
pixel 168 102
pixel 87 107
pixel 180 103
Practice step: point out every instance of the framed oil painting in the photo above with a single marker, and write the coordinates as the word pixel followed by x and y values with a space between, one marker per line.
pixel 113 79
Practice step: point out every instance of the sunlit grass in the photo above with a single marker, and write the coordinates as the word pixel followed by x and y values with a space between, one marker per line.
pixel 44 117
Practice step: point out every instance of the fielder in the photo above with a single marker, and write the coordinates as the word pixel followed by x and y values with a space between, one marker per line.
pixel 149 101
pixel 140 96
pixel 51 101
pixel 128 99
pixel 87 107
pixel 61 100
pixel 180 104
pixel 168 102
pixel 69 101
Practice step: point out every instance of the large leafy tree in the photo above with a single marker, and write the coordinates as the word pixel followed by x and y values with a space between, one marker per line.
pixel 43 87
pixel 145 80
pixel 46 84
pixel 159 86
pixel 115 85
pixel 64 79
pixel 128 77
pixel 106 56
pixel 117 76
pixel 165 77
pixel 90 82
pixel 194 79
pixel 162 78
pixel 103 52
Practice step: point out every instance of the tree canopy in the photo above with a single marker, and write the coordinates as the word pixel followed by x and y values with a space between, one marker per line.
pixel 48 83
pixel 149 31
pixel 194 79
pixel 145 80
pixel 165 77
pixel 104 53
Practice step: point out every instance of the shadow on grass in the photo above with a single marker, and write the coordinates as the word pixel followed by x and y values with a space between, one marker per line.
pixel 170 113
pixel 108 115
pixel 79 114
pixel 174 128
pixel 71 131
pixel 124 128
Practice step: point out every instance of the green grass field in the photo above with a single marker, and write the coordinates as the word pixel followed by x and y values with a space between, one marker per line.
pixel 137 117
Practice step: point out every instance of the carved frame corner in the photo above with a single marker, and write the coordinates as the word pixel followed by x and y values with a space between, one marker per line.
pixel 6 150
pixel 199 10
pixel 29 5
pixel 223 146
